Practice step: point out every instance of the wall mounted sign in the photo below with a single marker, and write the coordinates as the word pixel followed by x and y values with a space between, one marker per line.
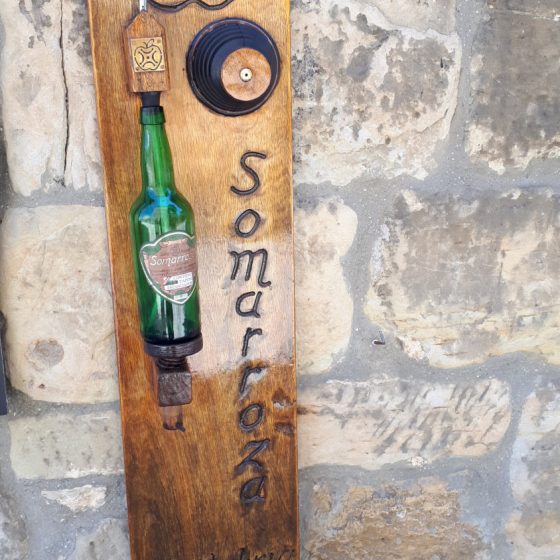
pixel 226 487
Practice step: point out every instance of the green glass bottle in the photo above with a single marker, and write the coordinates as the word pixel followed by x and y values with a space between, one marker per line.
pixel 164 246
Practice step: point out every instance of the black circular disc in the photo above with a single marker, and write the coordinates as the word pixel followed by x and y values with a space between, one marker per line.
pixel 208 52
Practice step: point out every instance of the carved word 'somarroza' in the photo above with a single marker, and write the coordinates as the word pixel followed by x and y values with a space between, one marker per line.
pixel 251 416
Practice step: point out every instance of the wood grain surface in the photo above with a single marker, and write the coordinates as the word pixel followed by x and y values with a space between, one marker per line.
pixel 226 488
pixel 257 81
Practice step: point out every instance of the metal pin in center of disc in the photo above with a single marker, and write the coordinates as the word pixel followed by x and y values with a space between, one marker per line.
pixel 246 75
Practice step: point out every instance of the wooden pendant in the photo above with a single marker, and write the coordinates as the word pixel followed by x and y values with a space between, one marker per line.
pixel 226 487
pixel 146 48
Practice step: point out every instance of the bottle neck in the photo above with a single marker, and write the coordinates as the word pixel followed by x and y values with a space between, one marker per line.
pixel 157 165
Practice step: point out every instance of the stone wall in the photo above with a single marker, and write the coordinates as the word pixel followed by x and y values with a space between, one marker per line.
pixel 427 138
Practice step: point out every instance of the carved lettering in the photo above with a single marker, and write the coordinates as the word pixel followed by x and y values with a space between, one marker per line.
pixel 251 255
pixel 253 491
pixel 249 333
pixel 245 377
pixel 251 417
pixel 246 554
pixel 254 311
pixel 250 461
pixel 245 422
pixel 251 172
pixel 256 217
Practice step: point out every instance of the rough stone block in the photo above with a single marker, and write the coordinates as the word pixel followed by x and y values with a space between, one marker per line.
pixel 376 423
pixel 419 521
pixel 545 9
pixel 109 541
pixel 515 91
pixel 56 296
pixel 78 499
pixel 435 15
pixel 325 309
pixel 66 446
pixel 45 71
pixel 534 527
pixel 13 534
pixel 370 98
pixel 83 157
pixel 459 279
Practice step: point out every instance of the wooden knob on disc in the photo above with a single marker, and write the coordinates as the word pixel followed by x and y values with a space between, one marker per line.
pixel 233 66
pixel 246 74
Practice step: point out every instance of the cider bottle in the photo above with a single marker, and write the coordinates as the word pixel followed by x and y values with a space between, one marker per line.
pixel 164 250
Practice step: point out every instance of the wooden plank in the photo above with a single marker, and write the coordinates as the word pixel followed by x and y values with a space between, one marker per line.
pixel 226 488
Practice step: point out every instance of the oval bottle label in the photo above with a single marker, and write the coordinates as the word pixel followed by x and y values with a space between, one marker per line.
pixel 170 266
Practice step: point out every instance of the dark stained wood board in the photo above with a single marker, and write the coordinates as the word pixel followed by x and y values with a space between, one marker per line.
pixel 189 494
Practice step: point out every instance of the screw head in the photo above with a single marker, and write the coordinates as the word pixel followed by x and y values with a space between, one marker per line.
pixel 246 75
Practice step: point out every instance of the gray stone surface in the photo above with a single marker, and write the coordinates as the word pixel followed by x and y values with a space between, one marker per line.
pixel 515 85
pixel 458 279
pixel 13 532
pixel 420 521
pixel 324 322
pixel 80 498
pixel 56 298
pixel 534 526
pixel 46 71
pixel 108 541
pixel 32 82
pixel 543 9
pixel 83 159
pixel 371 98
pixel 427 15
pixel 376 423
pixel 66 445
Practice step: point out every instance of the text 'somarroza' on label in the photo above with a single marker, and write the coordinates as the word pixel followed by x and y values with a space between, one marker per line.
pixel 170 265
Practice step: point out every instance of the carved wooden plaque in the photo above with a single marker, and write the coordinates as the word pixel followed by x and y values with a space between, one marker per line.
pixel 226 488
pixel 145 46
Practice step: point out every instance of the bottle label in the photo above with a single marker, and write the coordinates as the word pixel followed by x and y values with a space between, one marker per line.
pixel 170 265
